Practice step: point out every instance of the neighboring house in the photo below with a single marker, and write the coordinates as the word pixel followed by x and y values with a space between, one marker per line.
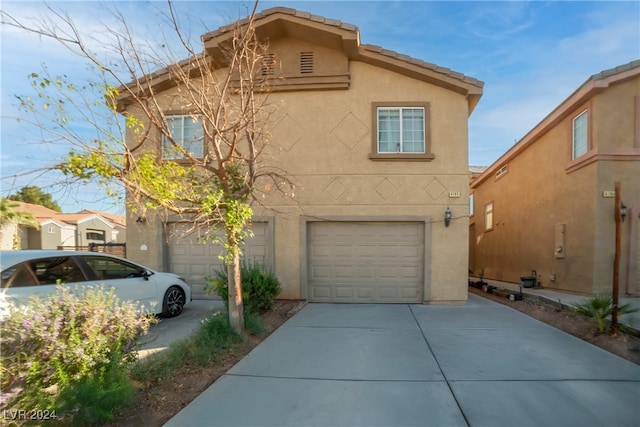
pixel 367 221
pixel 67 230
pixel 548 203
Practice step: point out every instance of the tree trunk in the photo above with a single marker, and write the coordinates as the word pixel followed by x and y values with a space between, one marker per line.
pixel 236 309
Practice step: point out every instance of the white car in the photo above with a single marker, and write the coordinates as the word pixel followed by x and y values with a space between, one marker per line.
pixel 37 272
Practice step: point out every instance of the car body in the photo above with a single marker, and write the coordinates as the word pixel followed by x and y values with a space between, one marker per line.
pixel 37 272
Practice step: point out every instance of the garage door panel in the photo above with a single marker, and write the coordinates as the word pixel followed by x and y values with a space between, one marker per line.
pixel 344 292
pixel 365 261
pixel 365 273
pixel 365 292
pixel 321 292
pixel 196 259
pixel 387 293
pixel 344 271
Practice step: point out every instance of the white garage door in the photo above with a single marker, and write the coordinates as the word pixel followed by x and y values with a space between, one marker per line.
pixel 366 262
pixel 196 260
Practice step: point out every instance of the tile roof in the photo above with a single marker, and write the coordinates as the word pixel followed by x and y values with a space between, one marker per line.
pixel 616 70
pixel 352 28
pixel 423 64
pixel 43 214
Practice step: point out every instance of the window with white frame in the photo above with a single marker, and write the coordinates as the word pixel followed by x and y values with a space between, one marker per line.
pixel 580 144
pixel 471 203
pixel 488 216
pixel 98 235
pixel 401 130
pixel 187 133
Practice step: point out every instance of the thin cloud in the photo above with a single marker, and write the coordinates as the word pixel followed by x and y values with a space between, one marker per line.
pixel 531 55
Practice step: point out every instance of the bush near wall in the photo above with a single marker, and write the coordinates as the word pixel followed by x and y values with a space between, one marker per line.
pixel 260 287
pixel 67 357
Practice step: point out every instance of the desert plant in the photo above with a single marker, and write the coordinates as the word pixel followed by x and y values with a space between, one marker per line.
pixel 600 307
pixel 70 353
pixel 260 286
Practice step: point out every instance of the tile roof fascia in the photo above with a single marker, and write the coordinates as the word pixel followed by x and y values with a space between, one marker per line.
pixel 352 28
pixel 450 79
pixel 446 72
pixel 284 11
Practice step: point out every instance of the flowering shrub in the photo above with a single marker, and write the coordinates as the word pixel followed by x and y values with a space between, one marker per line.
pixel 51 349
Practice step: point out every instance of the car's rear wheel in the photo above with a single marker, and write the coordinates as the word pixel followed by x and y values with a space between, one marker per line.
pixel 173 302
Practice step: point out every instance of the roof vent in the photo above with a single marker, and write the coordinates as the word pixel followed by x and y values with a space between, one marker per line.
pixel 306 62
pixel 268 65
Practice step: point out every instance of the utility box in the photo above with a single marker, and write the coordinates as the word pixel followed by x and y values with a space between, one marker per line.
pixel 528 281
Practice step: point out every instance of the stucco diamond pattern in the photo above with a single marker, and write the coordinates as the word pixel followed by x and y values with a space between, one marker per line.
pixel 435 189
pixel 287 132
pixel 336 189
pixel 350 131
pixel 386 189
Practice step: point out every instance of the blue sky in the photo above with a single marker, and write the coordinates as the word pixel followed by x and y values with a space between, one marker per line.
pixel 531 56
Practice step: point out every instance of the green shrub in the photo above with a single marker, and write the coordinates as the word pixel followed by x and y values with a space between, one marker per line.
pixel 200 349
pixel 70 354
pixel 260 287
pixel 253 325
pixel 600 307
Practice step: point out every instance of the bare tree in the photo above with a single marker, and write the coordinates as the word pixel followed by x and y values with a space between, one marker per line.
pixel 208 177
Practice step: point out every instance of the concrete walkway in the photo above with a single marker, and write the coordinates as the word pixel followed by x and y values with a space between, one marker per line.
pixel 568 299
pixel 481 364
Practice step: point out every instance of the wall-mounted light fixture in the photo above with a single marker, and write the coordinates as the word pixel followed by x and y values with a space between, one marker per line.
pixel 141 220
pixel 623 211
pixel 447 217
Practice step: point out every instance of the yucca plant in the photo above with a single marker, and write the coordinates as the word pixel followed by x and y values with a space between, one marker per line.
pixel 600 307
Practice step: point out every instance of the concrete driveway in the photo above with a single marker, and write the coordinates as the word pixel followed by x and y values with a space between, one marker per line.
pixel 481 364
pixel 160 336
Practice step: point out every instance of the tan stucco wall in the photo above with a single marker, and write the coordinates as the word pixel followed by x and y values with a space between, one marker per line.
pixel 322 139
pixel 544 188
pixel 328 139
pixel 7 231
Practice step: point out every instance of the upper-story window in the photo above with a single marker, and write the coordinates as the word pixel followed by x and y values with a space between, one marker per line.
pixel 400 130
pixel 580 143
pixel 187 132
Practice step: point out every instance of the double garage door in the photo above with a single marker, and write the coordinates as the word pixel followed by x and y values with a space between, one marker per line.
pixel 195 259
pixel 347 261
pixel 366 262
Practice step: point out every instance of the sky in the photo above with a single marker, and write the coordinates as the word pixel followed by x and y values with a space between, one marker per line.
pixel 531 55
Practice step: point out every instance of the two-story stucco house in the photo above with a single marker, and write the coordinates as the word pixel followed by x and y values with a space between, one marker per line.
pixel 377 144
pixel 548 203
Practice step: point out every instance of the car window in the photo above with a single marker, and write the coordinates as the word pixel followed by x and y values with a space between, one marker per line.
pixel 109 269
pixel 51 270
pixel 18 275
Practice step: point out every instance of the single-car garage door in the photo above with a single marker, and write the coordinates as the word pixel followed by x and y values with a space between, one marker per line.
pixel 196 260
pixel 365 262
